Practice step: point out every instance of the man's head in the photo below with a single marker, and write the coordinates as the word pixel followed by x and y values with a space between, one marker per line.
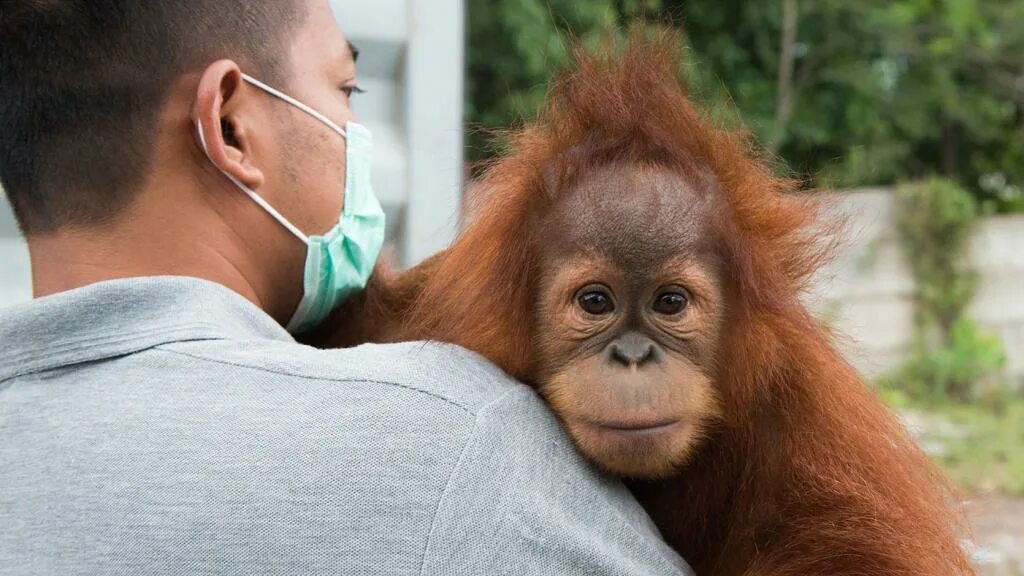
pixel 99 105
pixel 83 81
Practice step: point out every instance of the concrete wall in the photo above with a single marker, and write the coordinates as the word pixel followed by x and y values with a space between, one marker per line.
pixel 867 291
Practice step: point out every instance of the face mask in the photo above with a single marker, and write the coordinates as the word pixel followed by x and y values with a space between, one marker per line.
pixel 340 262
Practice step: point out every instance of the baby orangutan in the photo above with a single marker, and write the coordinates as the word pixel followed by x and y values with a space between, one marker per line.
pixel 629 314
pixel 641 269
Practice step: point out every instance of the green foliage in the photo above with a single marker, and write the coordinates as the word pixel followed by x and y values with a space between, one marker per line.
pixel 989 458
pixel 978 446
pixel 958 369
pixel 515 46
pixel 935 220
pixel 882 91
pixel 952 356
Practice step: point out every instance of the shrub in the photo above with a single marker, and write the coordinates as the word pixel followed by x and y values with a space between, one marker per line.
pixel 958 369
pixel 952 357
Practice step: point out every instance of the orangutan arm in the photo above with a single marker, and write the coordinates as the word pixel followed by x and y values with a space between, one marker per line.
pixel 377 314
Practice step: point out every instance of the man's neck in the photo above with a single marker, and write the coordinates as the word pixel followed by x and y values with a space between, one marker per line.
pixel 156 239
pixel 69 260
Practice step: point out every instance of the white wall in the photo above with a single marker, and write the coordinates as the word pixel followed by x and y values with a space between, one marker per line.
pixel 867 291
pixel 412 64
pixel 15 279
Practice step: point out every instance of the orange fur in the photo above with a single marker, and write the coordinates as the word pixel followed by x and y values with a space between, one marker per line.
pixel 806 472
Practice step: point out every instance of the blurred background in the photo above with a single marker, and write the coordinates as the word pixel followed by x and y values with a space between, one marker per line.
pixel 910 113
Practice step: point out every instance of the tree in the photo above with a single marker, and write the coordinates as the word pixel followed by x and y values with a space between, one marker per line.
pixel 846 93
pixel 516 45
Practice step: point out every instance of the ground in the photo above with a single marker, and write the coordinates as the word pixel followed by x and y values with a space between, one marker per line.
pixel 998 525
pixel 983 451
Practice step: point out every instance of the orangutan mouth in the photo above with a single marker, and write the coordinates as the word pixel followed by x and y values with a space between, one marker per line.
pixel 640 428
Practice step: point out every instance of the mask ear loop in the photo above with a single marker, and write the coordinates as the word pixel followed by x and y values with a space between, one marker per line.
pixel 307 109
pixel 253 195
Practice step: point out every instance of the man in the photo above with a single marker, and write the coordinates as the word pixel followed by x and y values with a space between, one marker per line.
pixel 191 181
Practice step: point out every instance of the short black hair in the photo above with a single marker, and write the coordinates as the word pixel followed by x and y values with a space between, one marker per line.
pixel 82 83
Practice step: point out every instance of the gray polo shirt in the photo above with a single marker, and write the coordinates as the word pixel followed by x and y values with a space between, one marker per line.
pixel 168 426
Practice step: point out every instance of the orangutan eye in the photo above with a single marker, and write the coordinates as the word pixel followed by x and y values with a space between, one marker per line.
pixel 596 300
pixel 672 302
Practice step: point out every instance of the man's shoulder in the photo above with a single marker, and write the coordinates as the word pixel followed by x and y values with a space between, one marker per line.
pixel 443 372
pixel 256 442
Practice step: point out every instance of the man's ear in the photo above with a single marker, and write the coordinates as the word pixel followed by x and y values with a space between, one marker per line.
pixel 221 98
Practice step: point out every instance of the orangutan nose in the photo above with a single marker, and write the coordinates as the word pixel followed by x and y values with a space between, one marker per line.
pixel 632 350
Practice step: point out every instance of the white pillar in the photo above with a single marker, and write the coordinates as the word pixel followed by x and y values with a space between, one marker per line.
pixel 412 64
pixel 15 272
pixel 435 90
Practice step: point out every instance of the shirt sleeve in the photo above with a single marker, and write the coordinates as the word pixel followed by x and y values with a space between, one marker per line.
pixel 522 501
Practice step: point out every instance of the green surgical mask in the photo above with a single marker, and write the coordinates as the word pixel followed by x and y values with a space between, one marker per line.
pixel 341 261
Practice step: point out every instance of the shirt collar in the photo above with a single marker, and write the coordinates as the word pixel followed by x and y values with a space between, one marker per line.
pixel 122 317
